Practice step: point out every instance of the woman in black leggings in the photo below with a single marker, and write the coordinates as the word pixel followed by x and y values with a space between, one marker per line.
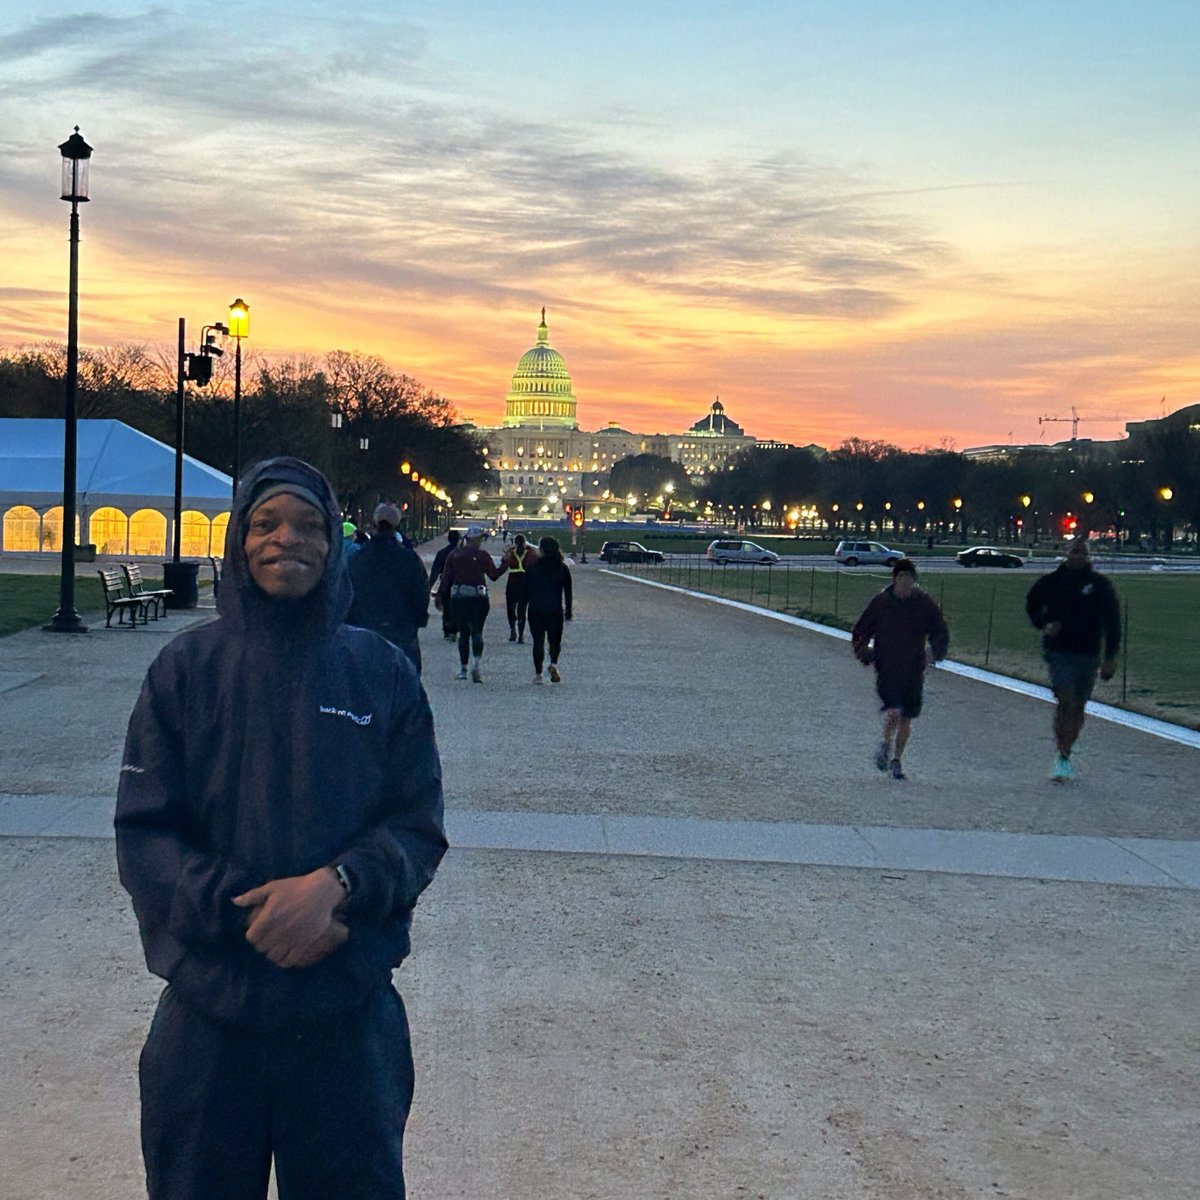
pixel 549 606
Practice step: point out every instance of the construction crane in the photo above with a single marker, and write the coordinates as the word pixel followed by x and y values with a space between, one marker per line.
pixel 1074 418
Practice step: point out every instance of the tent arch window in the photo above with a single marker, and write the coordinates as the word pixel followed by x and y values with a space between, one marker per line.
pixel 217 543
pixel 194 540
pixel 22 527
pixel 109 530
pixel 52 528
pixel 147 532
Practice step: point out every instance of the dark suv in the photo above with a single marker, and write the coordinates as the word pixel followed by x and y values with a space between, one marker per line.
pixel 635 552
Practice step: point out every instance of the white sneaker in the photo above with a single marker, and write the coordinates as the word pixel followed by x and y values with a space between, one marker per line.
pixel 538 678
pixel 462 672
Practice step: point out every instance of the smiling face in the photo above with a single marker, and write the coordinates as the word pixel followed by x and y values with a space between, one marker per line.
pixel 286 547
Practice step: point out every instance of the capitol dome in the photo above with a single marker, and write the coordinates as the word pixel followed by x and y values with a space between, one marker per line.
pixel 541 392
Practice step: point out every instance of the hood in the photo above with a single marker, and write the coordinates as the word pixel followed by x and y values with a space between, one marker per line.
pixel 241 601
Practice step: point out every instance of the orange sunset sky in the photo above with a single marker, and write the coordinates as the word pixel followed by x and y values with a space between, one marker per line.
pixel 917 222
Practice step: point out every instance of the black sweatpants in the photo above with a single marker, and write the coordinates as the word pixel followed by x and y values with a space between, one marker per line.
pixel 470 613
pixel 329 1101
pixel 545 626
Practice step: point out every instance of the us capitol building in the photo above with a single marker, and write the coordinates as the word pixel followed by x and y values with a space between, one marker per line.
pixel 540 452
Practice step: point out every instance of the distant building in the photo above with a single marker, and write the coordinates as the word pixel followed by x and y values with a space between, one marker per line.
pixel 539 457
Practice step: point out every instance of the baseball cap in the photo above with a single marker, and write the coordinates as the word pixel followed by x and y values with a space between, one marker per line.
pixel 474 531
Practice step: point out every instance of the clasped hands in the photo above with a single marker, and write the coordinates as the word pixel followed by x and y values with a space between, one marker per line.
pixel 293 921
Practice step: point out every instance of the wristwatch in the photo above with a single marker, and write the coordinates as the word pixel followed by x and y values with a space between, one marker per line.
pixel 343 877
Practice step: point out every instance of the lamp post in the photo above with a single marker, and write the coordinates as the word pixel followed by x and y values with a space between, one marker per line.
pixel 76 158
pixel 239 327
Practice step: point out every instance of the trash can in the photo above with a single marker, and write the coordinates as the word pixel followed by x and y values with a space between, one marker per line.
pixel 183 580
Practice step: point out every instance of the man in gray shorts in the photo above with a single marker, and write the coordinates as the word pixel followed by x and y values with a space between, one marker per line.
pixel 1076 609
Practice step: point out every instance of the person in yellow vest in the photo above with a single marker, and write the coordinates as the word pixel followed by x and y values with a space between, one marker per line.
pixel 518 558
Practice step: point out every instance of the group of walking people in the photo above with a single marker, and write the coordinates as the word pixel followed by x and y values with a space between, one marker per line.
pixel 537 596
pixel 392 591
pixel 902 632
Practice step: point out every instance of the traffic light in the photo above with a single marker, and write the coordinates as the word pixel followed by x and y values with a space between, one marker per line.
pixel 199 369
pixel 569 509
pixel 577 516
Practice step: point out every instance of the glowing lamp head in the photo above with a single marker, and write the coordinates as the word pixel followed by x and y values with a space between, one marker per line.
pixel 239 319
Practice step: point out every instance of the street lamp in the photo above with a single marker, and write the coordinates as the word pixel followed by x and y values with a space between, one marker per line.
pixel 76 158
pixel 239 327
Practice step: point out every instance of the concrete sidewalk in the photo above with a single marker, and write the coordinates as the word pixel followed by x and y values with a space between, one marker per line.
pixel 648 993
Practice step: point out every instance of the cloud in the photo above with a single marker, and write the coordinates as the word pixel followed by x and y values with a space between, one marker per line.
pixel 339 146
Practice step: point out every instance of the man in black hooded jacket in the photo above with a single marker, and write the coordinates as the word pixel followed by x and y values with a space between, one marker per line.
pixel 279 813
pixel 391 589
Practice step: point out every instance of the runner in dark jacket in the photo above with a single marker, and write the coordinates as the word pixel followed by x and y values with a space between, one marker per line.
pixel 908 633
pixel 391 589
pixel 1076 609
pixel 279 813
pixel 435 575
pixel 549 606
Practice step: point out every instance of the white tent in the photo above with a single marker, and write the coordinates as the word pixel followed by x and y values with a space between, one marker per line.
pixel 117 468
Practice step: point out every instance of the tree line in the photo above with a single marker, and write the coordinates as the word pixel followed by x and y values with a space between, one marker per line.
pixel 288 407
pixel 1143 488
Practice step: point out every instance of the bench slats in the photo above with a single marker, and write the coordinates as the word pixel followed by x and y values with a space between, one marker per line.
pixel 139 590
pixel 117 601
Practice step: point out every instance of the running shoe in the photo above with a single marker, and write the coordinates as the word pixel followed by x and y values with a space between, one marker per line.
pixel 476 675
pixel 555 677
pixel 882 757
pixel 512 636
pixel 1063 770
pixel 538 678
pixel 462 672
pixel 897 772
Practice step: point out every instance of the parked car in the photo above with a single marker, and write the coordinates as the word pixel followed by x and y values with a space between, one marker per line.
pixel 737 550
pixel 851 554
pixel 989 556
pixel 634 552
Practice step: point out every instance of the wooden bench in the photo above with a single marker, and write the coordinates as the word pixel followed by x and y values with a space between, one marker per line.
pixel 139 590
pixel 117 600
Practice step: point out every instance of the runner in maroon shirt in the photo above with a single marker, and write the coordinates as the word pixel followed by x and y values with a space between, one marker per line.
pixel 909 634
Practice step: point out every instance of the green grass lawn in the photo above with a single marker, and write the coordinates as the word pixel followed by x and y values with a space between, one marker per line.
pixel 27 601
pixel 1159 669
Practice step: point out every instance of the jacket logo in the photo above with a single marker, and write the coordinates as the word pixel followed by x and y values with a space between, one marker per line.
pixel 345 712
pixel 1087 589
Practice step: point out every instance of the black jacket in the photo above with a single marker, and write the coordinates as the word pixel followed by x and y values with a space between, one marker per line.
pixel 439 561
pixel 391 592
pixel 1086 605
pixel 267 744
pixel 549 586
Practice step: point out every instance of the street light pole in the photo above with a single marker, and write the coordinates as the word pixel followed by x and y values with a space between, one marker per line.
pixel 76 155
pixel 180 361
pixel 239 327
